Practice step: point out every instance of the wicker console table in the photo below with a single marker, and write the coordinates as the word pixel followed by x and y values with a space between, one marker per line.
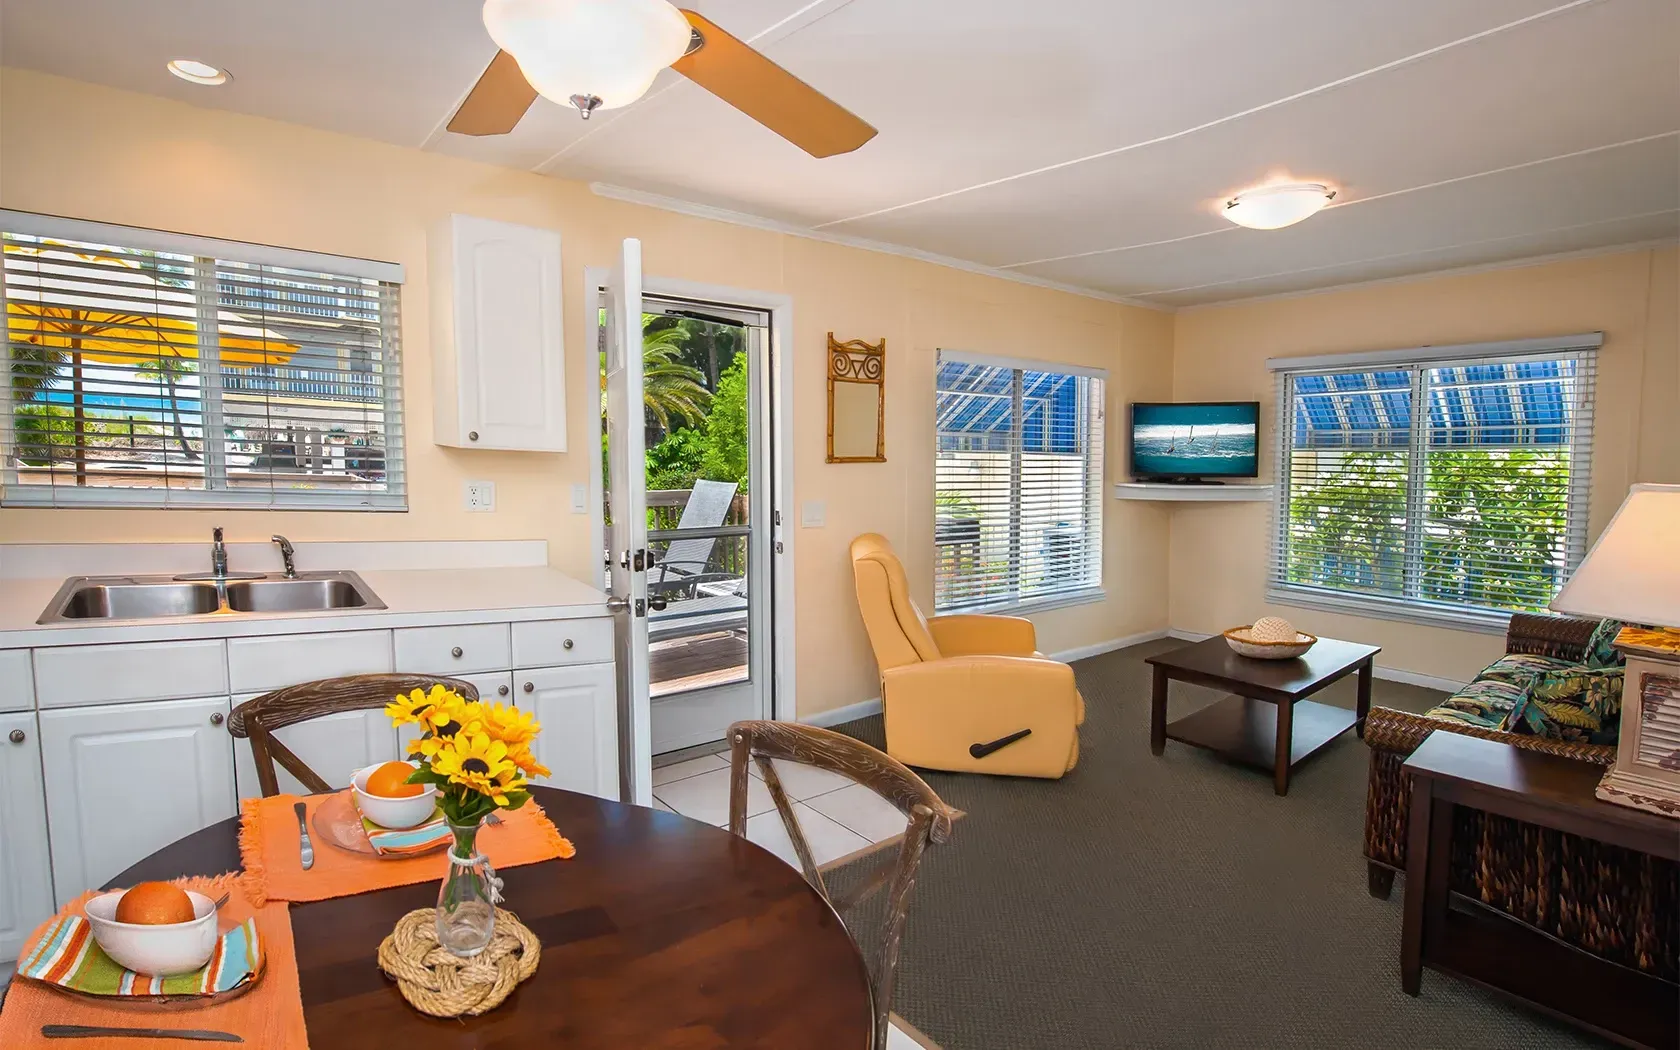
pixel 1492 950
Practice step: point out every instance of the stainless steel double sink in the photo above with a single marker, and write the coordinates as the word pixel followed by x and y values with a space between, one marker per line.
pixel 151 597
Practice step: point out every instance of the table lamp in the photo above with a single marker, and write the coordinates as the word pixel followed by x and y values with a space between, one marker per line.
pixel 1632 574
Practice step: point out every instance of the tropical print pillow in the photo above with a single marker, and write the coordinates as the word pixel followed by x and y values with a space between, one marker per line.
pixel 1581 704
pixel 1601 647
pixel 1520 667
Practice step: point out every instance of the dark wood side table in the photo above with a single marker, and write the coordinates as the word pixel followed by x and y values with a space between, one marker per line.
pixel 1498 952
pixel 1269 723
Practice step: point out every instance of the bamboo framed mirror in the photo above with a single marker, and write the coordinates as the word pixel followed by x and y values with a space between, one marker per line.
pixel 857 395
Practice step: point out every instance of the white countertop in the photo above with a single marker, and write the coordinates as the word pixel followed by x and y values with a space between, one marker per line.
pixel 413 598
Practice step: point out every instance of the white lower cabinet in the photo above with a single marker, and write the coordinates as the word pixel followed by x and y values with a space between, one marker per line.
pixel 125 780
pixel 26 897
pixel 578 709
pixel 334 746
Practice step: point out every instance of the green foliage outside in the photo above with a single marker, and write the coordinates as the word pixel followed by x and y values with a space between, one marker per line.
pixel 1493 531
pixel 46 433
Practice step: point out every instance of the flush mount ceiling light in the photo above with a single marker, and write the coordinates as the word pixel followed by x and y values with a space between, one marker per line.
pixel 593 54
pixel 197 72
pixel 1274 207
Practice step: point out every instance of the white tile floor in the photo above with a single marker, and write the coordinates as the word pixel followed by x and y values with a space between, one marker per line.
pixel 839 817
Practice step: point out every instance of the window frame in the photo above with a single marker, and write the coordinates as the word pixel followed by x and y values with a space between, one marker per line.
pixel 1094 440
pixel 1583 349
pixel 216 493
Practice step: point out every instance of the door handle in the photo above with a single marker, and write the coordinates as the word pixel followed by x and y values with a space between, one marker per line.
pixel 618 605
pixel 657 604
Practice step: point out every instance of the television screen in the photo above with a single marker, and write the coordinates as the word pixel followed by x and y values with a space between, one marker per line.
pixel 1216 439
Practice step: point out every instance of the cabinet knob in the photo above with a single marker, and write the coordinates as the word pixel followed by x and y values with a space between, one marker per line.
pixel 567 644
pixel 216 719
pixel 455 652
pixel 501 690
pixel 17 736
pixel 527 687
pixel 472 435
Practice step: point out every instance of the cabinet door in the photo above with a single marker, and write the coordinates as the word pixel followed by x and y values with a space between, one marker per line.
pixel 334 746
pixel 578 709
pixel 125 780
pixel 510 358
pixel 26 898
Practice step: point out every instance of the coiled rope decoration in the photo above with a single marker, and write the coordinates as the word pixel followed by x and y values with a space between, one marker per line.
pixel 439 983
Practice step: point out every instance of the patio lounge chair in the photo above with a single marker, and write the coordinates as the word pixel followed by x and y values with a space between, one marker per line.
pixel 682 565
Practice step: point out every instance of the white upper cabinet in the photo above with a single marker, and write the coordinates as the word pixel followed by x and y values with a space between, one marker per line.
pixel 499 358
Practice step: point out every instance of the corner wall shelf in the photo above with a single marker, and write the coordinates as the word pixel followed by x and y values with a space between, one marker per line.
pixel 1192 493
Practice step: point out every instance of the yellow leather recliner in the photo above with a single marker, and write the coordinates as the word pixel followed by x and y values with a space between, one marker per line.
pixel 965 693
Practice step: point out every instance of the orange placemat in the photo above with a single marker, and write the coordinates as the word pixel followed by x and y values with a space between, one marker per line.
pixel 270 1015
pixel 268 848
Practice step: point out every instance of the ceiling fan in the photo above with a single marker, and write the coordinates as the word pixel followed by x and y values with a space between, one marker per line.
pixel 602 54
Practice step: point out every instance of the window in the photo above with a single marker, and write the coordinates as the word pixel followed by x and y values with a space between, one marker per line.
pixel 151 369
pixel 1018 483
pixel 1442 485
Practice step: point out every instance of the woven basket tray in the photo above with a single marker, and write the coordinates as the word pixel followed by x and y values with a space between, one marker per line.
pixel 1239 640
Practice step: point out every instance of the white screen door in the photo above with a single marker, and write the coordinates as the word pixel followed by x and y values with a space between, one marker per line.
pixel 627 543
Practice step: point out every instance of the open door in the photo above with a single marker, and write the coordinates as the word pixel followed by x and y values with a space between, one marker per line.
pixel 627 542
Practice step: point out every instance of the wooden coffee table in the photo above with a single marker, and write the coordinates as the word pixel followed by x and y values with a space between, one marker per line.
pixel 1269 723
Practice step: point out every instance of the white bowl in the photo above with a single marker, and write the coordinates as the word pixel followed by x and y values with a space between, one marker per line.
pixel 393 813
pixel 163 950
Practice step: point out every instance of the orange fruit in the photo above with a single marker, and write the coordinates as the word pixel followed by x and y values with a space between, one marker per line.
pixel 391 781
pixel 155 904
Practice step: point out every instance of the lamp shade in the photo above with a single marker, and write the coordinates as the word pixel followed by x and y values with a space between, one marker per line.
pixel 606 49
pixel 1633 572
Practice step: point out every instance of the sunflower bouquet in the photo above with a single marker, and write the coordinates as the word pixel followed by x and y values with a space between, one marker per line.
pixel 477 754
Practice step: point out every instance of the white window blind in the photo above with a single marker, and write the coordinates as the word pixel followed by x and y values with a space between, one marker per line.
pixel 153 370
pixel 1451 488
pixel 1018 483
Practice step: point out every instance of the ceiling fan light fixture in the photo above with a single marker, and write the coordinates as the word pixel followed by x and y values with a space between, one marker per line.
pixel 195 72
pixel 1274 207
pixel 606 50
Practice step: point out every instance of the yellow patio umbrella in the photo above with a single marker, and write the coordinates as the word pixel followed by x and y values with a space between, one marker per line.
pixel 89 305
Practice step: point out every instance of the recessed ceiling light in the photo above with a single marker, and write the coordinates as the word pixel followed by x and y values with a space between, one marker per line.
pixel 1273 207
pixel 197 72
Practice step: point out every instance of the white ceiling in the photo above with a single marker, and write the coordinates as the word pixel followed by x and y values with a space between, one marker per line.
pixel 1085 142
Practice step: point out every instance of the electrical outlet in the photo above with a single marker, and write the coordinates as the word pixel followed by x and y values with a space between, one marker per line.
pixel 480 495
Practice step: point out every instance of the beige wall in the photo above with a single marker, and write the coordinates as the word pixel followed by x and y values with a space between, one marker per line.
pixel 73 149
pixel 1219 551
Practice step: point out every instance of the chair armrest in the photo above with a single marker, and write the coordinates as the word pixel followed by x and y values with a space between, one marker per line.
pixel 1402 732
pixel 935 711
pixel 1563 637
pixel 974 635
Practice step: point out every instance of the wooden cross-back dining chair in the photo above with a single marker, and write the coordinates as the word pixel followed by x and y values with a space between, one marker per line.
pixel 257 718
pixel 928 819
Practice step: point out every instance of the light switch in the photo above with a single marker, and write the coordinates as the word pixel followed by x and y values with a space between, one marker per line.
pixel 813 514
pixel 580 498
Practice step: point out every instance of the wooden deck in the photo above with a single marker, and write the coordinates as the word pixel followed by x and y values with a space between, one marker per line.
pixel 680 664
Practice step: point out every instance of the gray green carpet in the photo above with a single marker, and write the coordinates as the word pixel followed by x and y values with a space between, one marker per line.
pixel 1173 902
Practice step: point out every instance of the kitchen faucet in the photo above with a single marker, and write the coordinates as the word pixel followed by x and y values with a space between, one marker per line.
pixel 286 553
pixel 218 554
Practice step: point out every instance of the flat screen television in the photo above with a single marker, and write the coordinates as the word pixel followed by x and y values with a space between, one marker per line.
pixel 1195 441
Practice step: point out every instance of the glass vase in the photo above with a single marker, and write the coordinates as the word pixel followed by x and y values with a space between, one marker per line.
pixel 466 907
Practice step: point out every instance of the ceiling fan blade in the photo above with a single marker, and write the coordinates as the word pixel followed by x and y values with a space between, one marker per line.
pixel 764 91
pixel 496 102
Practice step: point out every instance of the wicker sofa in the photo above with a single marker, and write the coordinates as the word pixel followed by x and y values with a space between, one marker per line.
pixel 1611 902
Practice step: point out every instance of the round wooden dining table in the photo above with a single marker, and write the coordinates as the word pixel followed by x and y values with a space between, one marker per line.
pixel 661 933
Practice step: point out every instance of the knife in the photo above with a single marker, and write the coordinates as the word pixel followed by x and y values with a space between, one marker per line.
pixel 82 1031
pixel 306 850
